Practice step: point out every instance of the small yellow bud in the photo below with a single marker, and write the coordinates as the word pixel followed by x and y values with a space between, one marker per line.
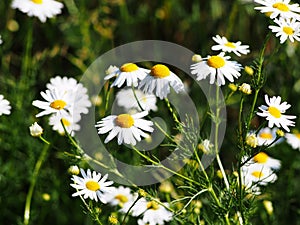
pixel 197 210
pixel 235 173
pixel 142 192
pixel 280 133
pixel 268 206
pixel 249 70
pixel 205 146
pixel 46 197
pixel 251 140
pixel 113 220
pixel 232 87
pixel 198 204
pixel 219 174
pixel 245 88
pixel 166 187
pixel 74 170
pixel 196 58
pixel 12 25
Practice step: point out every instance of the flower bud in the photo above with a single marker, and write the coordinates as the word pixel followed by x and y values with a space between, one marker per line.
pixel 36 130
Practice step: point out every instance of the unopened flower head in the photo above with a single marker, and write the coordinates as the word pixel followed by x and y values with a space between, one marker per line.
pixel 74 170
pixel 245 88
pixel 233 87
pixel 196 58
pixel 217 67
pixel 4 106
pixel 287 28
pixel 281 8
pixel 249 70
pixel 128 128
pixel 251 140
pixel 42 9
pixel 274 111
pixel 128 72
pixel 158 81
pixel 91 185
pixel 227 46
pixel 35 130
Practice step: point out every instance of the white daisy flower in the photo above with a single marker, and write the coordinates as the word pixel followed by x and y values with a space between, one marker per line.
pixel 274 113
pixel 128 72
pixel 280 8
pixel 127 127
pixel 266 136
pixel 59 102
pixel 293 140
pixel 263 159
pixel 257 174
pixel 42 9
pixel 70 123
pixel 153 213
pixel 226 46
pixel 158 81
pixel 122 197
pixel 91 185
pixel 79 94
pixel 4 106
pixel 126 99
pixel 287 28
pixel 217 66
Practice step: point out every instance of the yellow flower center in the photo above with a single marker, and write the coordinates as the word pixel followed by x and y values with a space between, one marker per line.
pixel 160 71
pixel 297 135
pixel 274 112
pixel 153 205
pixel 58 104
pixel 124 120
pixel 230 45
pixel 266 135
pixel 129 67
pixel 92 185
pixel 261 157
pixel 257 174
pixel 288 30
pixel 216 61
pixel 66 122
pixel 37 1
pixel 121 198
pixel 281 6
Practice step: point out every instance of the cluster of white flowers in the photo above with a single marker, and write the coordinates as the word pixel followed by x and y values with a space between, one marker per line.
pixel 92 185
pixel 285 16
pixel 259 170
pixel 65 99
pixel 220 66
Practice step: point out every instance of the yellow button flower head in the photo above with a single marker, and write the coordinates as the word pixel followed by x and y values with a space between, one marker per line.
pixel 274 113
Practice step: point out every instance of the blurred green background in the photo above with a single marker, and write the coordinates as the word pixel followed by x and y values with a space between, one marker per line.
pixel 68 44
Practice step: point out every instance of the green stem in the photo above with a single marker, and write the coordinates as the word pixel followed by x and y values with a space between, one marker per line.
pixel 33 180
pixel 128 211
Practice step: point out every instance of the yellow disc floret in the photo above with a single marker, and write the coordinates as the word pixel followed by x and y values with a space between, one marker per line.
pixel 281 6
pixel 124 120
pixel 265 135
pixel 129 67
pixel 65 122
pixel 37 1
pixel 58 104
pixel 257 174
pixel 92 185
pixel 121 198
pixel 288 30
pixel 230 45
pixel 274 112
pixel 261 157
pixel 160 71
pixel 153 205
pixel 216 61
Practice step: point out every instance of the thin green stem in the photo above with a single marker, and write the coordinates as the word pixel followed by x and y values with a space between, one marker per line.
pixel 128 211
pixel 33 180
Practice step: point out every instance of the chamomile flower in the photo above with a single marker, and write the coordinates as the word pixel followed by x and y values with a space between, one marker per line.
pixel 266 136
pixel 57 102
pixel 128 128
pixel 128 72
pixel 69 122
pixel 78 93
pixel 91 185
pixel 42 9
pixel 263 159
pixel 122 197
pixel 287 28
pixel 274 113
pixel 280 8
pixel 4 106
pixel 227 46
pixel 153 213
pixel 158 82
pixel 218 67
pixel 257 174
pixel 293 140
pixel 126 99
pixel 35 130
